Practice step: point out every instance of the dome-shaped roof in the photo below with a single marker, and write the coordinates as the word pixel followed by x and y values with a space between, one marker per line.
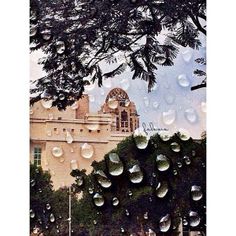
pixel 119 94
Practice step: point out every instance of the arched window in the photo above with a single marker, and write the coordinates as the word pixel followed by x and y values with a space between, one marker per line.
pixel 124 119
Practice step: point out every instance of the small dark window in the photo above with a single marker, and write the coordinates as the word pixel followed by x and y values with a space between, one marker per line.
pixel 37 155
pixel 90 130
pixel 81 130
pixel 72 130
pixel 99 131
pixel 64 130
pixel 55 129
pixel 59 118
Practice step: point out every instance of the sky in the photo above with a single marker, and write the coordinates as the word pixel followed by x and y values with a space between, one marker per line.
pixel 170 105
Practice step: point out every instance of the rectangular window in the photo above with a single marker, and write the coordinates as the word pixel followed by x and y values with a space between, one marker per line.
pixel 37 156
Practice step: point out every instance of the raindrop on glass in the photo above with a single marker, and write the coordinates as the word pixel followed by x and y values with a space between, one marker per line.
pixel 191 115
pixel 69 138
pixel 187 55
pixel 102 179
pixel 46 103
pixel 165 223
pixel 52 218
pixel 75 105
pixel 145 216
pixel 184 134
pixel 175 147
pixel 196 193
pixel 179 164
pixel 115 201
pixel 187 160
pixel 162 189
pixel 194 219
pixel 48 206
pixel 169 117
pixel 141 139
pixel 130 194
pixel 87 151
pixel 32 214
pixel 112 103
pixel 57 151
pixel 165 135
pixel 61 96
pixel 60 47
pixel 124 83
pixel 98 199
pixel 146 101
pixel 73 165
pixel 155 105
pixel 203 107
pixel 163 162
pixel 127 212
pixel 169 98
pixel 135 174
pixel 33 30
pixel 115 166
pixel 183 80
pixel 79 180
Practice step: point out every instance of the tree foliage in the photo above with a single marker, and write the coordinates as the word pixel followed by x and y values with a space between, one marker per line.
pixel 79 36
pixel 140 205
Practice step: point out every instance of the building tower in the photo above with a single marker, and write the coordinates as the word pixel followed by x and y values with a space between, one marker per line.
pixel 124 113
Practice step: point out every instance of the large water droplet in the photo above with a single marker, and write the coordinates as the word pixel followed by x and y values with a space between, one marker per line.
pixel 46 103
pixel 168 117
pixel 73 165
pixel 184 134
pixel 162 189
pixel 124 83
pixel 183 80
pixel 141 139
pixel 165 135
pixel 48 206
pixel 115 166
pixel 98 199
pixel 175 147
pixel 191 115
pixel 112 103
pixel 57 151
pixel 115 201
pixel 69 138
pixel 79 180
pixel 92 127
pixel 75 105
pixel 127 212
pixel 52 218
pixel 102 179
pixel 61 96
pixel 169 98
pixel 33 30
pixel 146 101
pixel 203 107
pixel 165 223
pixel 60 47
pixel 87 151
pixel 151 232
pixel 194 219
pixel 135 174
pixel 145 216
pixel 187 160
pixel 163 162
pixel 187 55
pixel 196 193
pixel 32 214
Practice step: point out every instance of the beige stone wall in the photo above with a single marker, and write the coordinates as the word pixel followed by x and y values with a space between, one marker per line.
pixel 49 127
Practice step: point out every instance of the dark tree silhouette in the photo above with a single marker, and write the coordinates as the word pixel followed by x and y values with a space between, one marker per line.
pixel 201 74
pixel 133 193
pixel 78 36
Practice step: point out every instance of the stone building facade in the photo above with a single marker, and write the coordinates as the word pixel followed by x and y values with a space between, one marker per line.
pixel 64 140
